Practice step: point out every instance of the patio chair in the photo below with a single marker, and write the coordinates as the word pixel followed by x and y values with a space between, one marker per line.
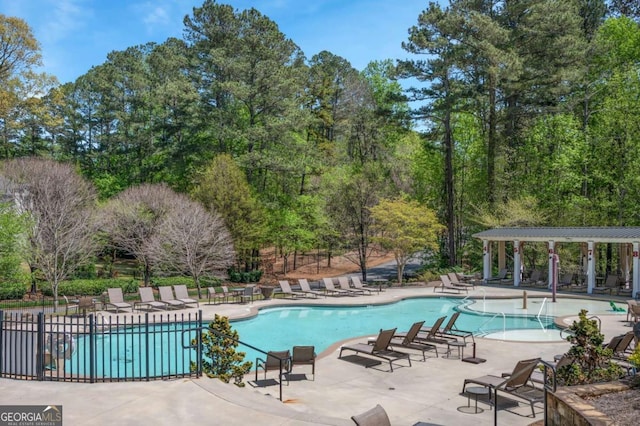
pixel 355 280
pixel 286 290
pixel 332 290
pixel 500 278
pixel 516 383
pixel 534 278
pixel 566 280
pixel 445 284
pixel 182 294
pixel 222 295
pixel 166 296
pixel 610 284
pixel 379 348
pixel 625 290
pixel 70 305
pixel 633 311
pixel 559 361
pixel 408 340
pixel 306 288
pixel 116 299
pixel 451 331
pixel 453 278
pixel 276 361
pixel 247 294
pixel 148 300
pixel 430 334
pixel 375 416
pixel 304 355
pixel 619 350
pixel 344 285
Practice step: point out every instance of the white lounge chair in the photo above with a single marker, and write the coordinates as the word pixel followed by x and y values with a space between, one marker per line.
pixel 148 300
pixel 331 289
pixel 166 296
pixel 182 294
pixel 285 287
pixel 306 288
pixel 116 299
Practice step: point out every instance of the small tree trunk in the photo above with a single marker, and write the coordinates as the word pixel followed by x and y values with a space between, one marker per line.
pixel 54 288
pixel 197 280
pixel 34 286
pixel 146 274
pixel 401 265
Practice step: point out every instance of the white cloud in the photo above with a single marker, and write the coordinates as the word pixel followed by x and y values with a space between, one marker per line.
pixel 67 17
pixel 162 17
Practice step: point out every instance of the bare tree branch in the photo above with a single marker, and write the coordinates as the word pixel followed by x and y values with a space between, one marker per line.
pixel 193 241
pixel 132 218
pixel 60 203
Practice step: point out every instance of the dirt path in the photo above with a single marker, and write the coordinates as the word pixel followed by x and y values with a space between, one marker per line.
pixel 340 265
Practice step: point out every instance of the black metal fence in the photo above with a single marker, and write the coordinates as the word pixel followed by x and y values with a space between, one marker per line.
pixel 95 348
pixel 32 304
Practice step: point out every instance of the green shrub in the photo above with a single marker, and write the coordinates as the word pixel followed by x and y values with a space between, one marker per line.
pixel 94 287
pixel 220 358
pixel 188 281
pixel 12 291
pixel 634 359
pixel 592 362
pixel 87 271
pixel 236 276
pixel 169 281
pixel 210 282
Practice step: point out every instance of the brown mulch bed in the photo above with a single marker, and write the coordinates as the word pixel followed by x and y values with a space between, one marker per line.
pixel 622 407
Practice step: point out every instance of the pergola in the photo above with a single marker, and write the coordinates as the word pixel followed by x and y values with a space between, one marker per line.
pixel 588 237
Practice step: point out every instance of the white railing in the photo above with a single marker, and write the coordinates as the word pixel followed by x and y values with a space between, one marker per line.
pixel 504 324
pixel 544 302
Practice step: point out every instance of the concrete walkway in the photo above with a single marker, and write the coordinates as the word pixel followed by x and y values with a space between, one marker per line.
pixel 428 393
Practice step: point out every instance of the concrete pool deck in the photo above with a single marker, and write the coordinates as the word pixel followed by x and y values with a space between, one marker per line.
pixel 428 393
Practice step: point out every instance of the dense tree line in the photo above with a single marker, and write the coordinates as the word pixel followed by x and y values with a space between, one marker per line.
pixel 525 102
pixel 523 105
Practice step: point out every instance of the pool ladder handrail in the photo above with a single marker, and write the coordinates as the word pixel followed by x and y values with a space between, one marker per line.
pixel 467 301
pixel 504 323
pixel 592 317
pixel 542 326
pixel 544 301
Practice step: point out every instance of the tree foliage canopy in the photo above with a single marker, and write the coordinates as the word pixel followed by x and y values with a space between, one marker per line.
pixel 405 228
pixel 520 110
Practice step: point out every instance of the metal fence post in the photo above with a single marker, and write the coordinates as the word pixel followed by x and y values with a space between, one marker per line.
pixel 2 355
pixel 40 331
pixel 92 349
pixel 146 341
pixel 199 350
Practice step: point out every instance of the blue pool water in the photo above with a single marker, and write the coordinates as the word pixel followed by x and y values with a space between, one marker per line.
pixel 282 328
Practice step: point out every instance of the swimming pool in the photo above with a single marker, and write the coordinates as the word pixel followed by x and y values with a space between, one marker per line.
pixel 321 326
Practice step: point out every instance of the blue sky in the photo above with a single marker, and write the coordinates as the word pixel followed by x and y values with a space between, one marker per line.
pixel 78 34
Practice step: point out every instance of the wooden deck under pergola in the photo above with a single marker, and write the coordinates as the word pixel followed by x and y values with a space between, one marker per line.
pixel 588 237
